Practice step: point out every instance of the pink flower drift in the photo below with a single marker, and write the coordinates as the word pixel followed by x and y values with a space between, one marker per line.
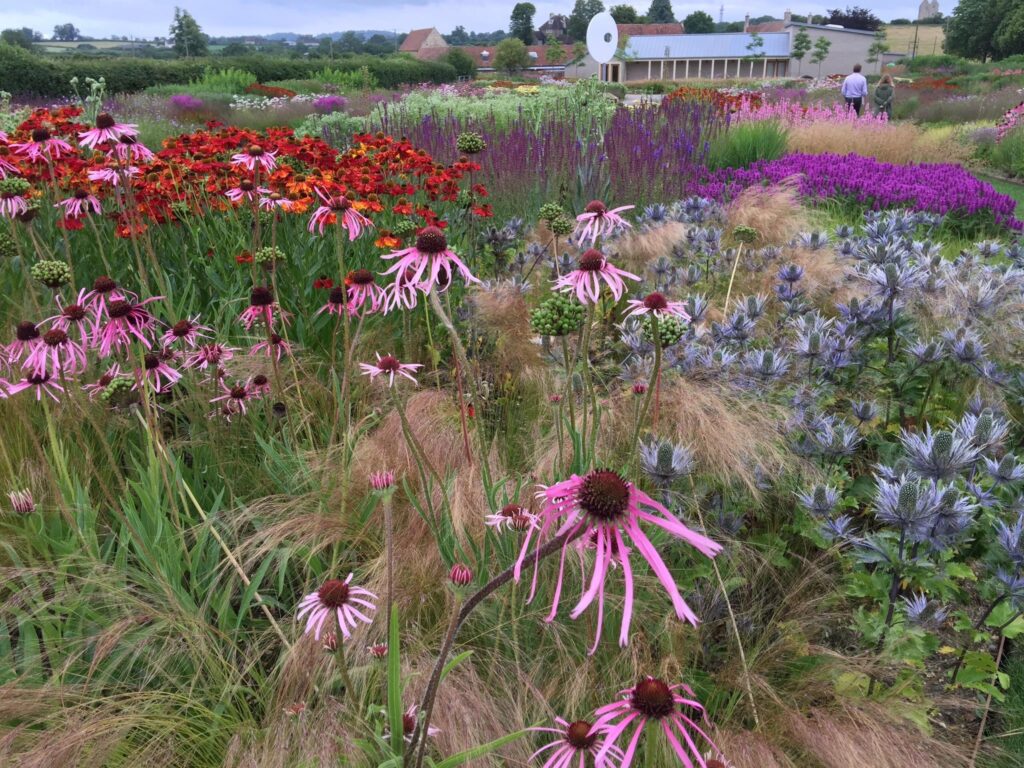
pixel 389 366
pixel 605 508
pixel 428 264
pixel 674 707
pixel 598 221
pixel 585 281
pixel 338 598
pixel 107 129
pixel 339 210
pixel 575 743
pixel 656 304
pixel 127 321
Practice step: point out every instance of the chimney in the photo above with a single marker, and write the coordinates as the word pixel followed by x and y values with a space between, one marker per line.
pixel 787 16
pixel 746 23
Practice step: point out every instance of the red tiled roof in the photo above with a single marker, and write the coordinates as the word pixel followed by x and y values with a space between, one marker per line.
pixel 639 30
pixel 414 40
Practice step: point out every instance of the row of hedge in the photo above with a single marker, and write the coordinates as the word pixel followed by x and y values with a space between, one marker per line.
pixel 27 74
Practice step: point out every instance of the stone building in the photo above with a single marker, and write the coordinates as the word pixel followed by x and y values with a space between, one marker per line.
pixel 928 9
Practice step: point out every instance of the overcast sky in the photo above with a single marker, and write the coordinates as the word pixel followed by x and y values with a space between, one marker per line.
pixel 148 18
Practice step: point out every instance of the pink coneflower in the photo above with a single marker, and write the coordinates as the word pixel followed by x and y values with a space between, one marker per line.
pixel 22 502
pixel 427 264
pixel 606 507
pixel 653 700
pixel 42 146
pixel 107 129
pixel 26 338
pixel 255 155
pixel 236 397
pixel 247 191
pixel 338 209
pixel 656 304
pixel 262 308
pixel 512 517
pixel 363 288
pixel 73 315
pixel 96 388
pixel 339 598
pixel 260 385
pixel 6 166
pixel 129 148
pixel 409 720
pixel 337 302
pixel 389 365
pixel 105 290
pixel 460 575
pixel 378 651
pixel 79 204
pixel 575 743
pixel 274 346
pixel 12 204
pixel 43 384
pixel 275 200
pixel 586 279
pixel 209 354
pixel 127 320
pixel 156 370
pixel 597 221
pixel 187 331
pixel 383 480
pixel 56 354
pixel 112 176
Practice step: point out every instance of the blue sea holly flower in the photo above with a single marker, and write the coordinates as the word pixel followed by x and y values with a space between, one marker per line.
pixel 940 455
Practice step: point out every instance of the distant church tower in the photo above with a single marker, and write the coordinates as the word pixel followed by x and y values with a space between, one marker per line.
pixel 927 9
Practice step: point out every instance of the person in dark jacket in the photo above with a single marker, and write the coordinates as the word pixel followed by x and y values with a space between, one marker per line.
pixel 884 93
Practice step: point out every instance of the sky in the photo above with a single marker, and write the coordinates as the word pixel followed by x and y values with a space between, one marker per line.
pixel 149 18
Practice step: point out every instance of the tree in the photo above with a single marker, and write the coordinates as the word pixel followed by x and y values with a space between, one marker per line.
pixel 20 38
pixel 459 36
pixel 878 47
pixel 986 29
pixel 660 12
pixel 378 45
pixel 236 49
pixel 579 55
pixel 582 12
pixel 66 32
pixel 349 42
pixel 624 14
pixel 188 36
pixel 756 47
pixel 521 25
pixel 821 48
pixel 555 51
pixel 511 55
pixel 729 26
pixel 461 61
pixel 801 47
pixel 855 18
pixel 698 23
pixel 900 23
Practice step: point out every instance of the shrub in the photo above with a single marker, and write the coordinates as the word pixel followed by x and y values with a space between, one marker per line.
pixel 941 61
pixel 25 74
pixel 337 128
pixel 1008 154
pixel 747 143
pixel 230 80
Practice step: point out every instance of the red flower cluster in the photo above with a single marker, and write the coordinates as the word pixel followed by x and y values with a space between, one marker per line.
pixel 194 172
pixel 723 100
pixel 269 90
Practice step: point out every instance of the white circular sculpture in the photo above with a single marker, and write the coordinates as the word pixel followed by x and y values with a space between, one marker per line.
pixel 602 38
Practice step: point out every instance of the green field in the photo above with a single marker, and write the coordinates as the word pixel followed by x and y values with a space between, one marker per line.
pixel 1011 188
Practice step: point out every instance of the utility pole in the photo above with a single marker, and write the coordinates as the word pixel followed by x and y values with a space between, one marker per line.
pixel 913 53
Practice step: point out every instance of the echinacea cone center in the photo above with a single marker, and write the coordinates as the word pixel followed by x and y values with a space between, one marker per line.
pixel 40 135
pixel 333 593
pixel 239 393
pixel 74 312
pixel 117 309
pixel 408 723
pixel 260 380
pixel 261 297
pixel 81 194
pixel 604 495
pixel 151 361
pixel 255 150
pixel 103 284
pixel 55 338
pixel 337 295
pixel 511 510
pixel 578 735
pixel 340 203
pixel 389 364
pixel 27 331
pixel 652 698
pixel 182 328
pixel 596 206
pixel 104 121
pixel 431 240
pixel 361 277
pixel 37 379
pixel 246 186
pixel 591 261
pixel 655 301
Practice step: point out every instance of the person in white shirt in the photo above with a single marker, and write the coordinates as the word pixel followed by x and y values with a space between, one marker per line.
pixel 855 89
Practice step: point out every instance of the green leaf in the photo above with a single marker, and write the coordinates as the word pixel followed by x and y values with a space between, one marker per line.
pixel 482 750
pixel 454 663
pixel 960 571
pixel 395 685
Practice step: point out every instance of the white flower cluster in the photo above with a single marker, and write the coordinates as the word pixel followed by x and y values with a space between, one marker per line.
pixel 270 102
